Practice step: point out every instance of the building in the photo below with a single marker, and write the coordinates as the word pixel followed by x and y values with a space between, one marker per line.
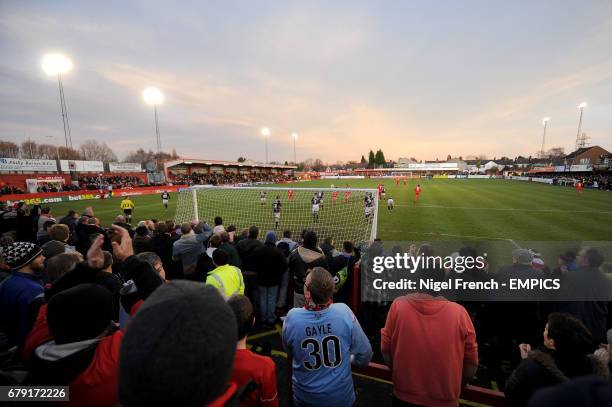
pixel 586 155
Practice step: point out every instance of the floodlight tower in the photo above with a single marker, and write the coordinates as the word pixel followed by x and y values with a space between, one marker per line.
pixel 545 124
pixel 153 96
pixel 265 132
pixel 294 136
pixel 580 141
pixel 55 65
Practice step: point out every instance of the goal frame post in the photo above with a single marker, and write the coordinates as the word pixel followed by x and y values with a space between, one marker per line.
pixel 195 188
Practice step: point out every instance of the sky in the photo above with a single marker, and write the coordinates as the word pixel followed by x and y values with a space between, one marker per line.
pixel 417 79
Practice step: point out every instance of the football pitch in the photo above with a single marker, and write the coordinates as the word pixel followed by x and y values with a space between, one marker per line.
pixel 447 210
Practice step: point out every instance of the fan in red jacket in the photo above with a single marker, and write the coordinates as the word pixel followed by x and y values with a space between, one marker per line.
pixel 85 351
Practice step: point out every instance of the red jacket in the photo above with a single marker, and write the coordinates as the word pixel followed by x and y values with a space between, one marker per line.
pixel 38 335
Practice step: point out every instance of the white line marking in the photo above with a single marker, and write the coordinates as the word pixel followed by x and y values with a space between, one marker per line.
pixel 459 236
pixel 503 209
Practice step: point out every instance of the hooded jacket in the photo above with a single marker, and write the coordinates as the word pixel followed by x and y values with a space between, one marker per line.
pixel 89 367
pixel 302 259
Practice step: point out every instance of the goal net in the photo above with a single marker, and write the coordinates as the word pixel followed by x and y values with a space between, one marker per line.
pixel 341 214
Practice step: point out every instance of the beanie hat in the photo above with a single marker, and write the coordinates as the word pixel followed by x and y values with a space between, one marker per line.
pixel 20 254
pixel 179 348
pixel 79 313
pixel 53 248
pixel 270 237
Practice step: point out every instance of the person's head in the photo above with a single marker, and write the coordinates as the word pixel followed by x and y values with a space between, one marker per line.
pixel 119 219
pixel 215 241
pixel 245 317
pixel 80 313
pixel 24 257
pixel 589 257
pixel 310 239
pixel 319 286
pixel 220 257
pixel 522 256
pixel 93 221
pixel 83 220
pixel 218 221
pixel 142 231
pixel 89 212
pixel 329 242
pixel 253 232
pixel 186 228
pixel 567 335
pixel 165 334
pixel 567 258
pixel 45 211
pixel 155 261
pixel 287 234
pixel 225 236
pixel 59 232
pixel 72 214
pixel 162 228
pixel 270 237
pixel 61 264
pixel 47 225
pixel 348 247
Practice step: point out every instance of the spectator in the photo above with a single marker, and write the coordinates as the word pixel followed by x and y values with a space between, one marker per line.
pixel 270 265
pixel 189 247
pixel 229 248
pixel 70 220
pixel 246 248
pixel 565 354
pixel 286 244
pixel 58 244
pixel 205 261
pixel 161 244
pixel 586 292
pixel 85 351
pixel 226 278
pixel 248 366
pixel 120 221
pixel 341 267
pixel 155 261
pixel 423 373
pixel 302 259
pixel 42 236
pixel 322 377
pixel 168 331
pixel 45 215
pixel 584 392
pixel 142 240
pixel 218 225
pixel 16 292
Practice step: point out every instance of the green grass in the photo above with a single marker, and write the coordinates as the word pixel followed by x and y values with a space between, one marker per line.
pixel 493 215
pixel 447 210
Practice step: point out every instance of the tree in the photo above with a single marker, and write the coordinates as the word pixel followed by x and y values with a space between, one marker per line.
pixel 67 153
pixel 47 152
pixel 556 152
pixel 448 157
pixel 318 165
pixel 371 159
pixel 29 149
pixel 379 158
pixel 363 160
pixel 241 159
pixel 9 149
pixel 91 150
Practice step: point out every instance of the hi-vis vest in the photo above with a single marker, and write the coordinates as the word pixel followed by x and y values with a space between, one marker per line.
pixel 227 279
pixel 127 204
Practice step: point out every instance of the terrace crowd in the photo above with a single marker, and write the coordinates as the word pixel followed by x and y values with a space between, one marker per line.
pixel 228 178
pixel 157 313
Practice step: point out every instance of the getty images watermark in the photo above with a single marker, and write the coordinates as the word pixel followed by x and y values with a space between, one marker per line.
pixel 485 271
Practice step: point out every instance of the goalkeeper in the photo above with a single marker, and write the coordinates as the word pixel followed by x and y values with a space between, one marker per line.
pixel 127 205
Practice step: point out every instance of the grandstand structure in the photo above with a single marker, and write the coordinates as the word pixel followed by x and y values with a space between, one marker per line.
pixel 186 167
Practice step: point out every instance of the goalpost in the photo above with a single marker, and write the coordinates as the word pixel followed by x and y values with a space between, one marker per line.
pixel 341 219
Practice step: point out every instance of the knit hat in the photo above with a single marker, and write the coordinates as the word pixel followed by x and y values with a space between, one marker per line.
pixel 270 237
pixel 522 256
pixel 79 313
pixel 20 254
pixel 53 248
pixel 179 348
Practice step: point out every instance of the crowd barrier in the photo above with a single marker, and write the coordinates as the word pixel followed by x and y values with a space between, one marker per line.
pixel 67 196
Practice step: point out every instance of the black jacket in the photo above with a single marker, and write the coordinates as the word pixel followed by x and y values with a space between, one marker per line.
pixel 246 248
pixel 543 368
pixel 302 259
pixel 269 263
